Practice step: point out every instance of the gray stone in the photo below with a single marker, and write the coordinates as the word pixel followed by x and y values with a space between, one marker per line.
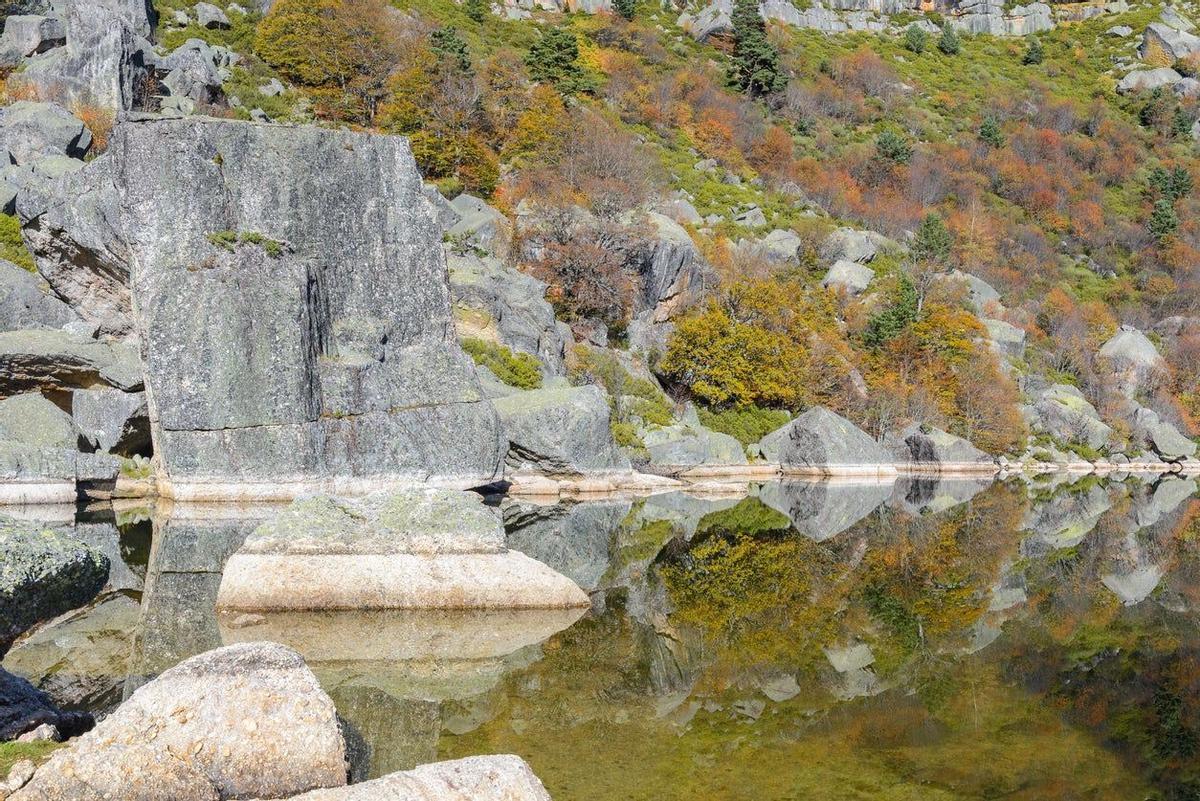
pixel 498 303
pixel 1062 412
pixel 43 573
pixel 982 295
pixel 30 419
pixel 1006 338
pixel 1172 17
pixel 1161 437
pixel 1145 80
pixel 671 273
pixel 72 228
pixel 752 217
pixel 1137 364
pixel 853 245
pixel 681 211
pixel 196 70
pixel 820 438
pixel 106 61
pixel 114 421
pixel 1120 31
pixel 28 34
pixel 25 304
pixel 324 346
pixel 926 445
pixel 416 549
pixel 687 445
pixel 209 16
pixel 24 708
pixel 32 130
pixel 780 246
pixel 479 225
pixel 821 509
pixel 1161 41
pixel 272 88
pixel 54 359
pixel 850 276
pixel 426 521
pixel 1187 88
pixel 481 778
pixel 923 494
pixel 1064 519
pixel 560 430
pixel 245 721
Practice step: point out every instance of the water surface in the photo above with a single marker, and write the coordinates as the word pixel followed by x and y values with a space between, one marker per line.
pixel 922 640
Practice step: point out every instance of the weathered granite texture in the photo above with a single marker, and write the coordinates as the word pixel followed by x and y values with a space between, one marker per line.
pixel 243 721
pixel 821 441
pixel 295 322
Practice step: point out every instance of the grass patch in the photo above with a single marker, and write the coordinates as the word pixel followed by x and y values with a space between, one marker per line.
pixel 747 425
pixel 515 369
pixel 12 753
pixel 12 247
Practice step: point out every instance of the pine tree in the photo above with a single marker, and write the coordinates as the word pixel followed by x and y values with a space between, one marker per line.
pixel 1163 220
pixel 450 49
pixel 1033 53
pixel 990 132
pixel 554 59
pixel 890 323
pixel 891 146
pixel 932 243
pixel 949 43
pixel 625 8
pixel 755 66
pixel 915 38
pixel 477 10
pixel 1181 123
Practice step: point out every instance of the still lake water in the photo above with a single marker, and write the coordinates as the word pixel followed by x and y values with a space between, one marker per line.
pixel 923 640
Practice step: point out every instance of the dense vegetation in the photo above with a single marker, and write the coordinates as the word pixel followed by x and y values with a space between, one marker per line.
pixel 1013 160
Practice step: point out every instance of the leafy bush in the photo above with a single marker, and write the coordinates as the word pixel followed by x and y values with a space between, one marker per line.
pixel 515 369
pixel 746 424
pixel 12 247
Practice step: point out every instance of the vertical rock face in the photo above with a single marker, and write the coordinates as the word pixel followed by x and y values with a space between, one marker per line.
pixel 290 297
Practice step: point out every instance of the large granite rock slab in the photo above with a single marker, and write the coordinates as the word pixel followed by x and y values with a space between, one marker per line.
pixel 560 430
pixel 688 445
pixel 25 304
pixel 105 62
pixel 245 721
pixel 71 226
pixel 31 131
pixel 1161 437
pixel 45 359
pixel 112 420
pixel 414 549
pixel 928 447
pixel 323 353
pixel 1137 364
pixel 27 34
pixel 572 539
pixel 498 303
pixel 671 275
pixel 24 708
pixel 31 419
pixel 481 778
pixel 1064 413
pixel 821 441
pixel 43 573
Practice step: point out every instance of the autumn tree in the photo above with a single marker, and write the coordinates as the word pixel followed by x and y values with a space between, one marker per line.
pixel 754 64
pixel 340 51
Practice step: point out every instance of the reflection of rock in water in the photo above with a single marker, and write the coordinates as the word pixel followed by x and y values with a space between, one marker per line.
pixel 1162 498
pixel 191 545
pixel 390 673
pixel 917 495
pixel 572 539
pixel 82 659
pixel 1065 519
pixel 684 511
pixel 823 509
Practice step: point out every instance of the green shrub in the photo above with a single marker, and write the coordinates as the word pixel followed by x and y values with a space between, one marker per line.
pixel 12 247
pixel 746 424
pixel 655 411
pixel 515 369
pixel 915 39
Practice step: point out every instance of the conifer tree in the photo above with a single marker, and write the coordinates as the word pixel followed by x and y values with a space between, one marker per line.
pixel 554 59
pixel 1163 220
pixel 477 10
pixel 625 8
pixel 949 43
pixel 1034 53
pixel 755 69
pixel 990 132
pixel 915 38
pixel 450 49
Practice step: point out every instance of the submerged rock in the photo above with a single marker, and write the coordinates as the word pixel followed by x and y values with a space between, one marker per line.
pixel 821 441
pixel 414 549
pixel 324 349
pixel 245 721
pixel 43 573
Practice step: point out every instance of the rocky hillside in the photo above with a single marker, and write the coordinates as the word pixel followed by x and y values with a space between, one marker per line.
pixel 679 240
